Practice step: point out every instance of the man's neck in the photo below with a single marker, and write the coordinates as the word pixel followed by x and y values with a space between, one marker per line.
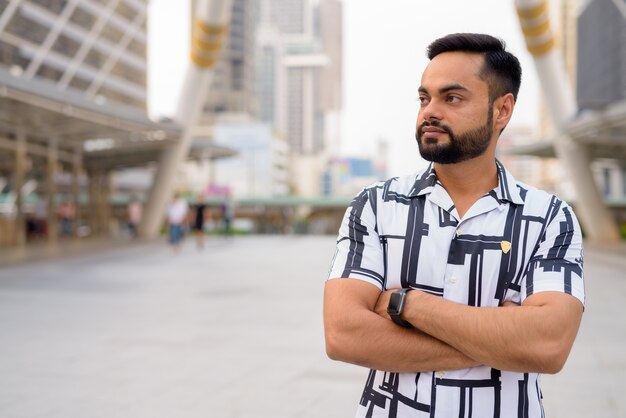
pixel 468 181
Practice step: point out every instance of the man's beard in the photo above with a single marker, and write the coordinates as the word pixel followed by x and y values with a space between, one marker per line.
pixel 465 146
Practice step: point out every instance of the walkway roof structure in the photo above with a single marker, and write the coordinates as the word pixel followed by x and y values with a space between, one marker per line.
pixel 106 135
pixel 603 130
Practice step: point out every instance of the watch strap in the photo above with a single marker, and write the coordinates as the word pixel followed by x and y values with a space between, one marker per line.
pixel 397 316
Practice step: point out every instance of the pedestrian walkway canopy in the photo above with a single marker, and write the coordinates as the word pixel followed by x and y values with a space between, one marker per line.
pixel 106 136
pixel 604 131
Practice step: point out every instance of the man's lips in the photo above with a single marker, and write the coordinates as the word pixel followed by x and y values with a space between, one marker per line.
pixel 432 129
pixel 432 132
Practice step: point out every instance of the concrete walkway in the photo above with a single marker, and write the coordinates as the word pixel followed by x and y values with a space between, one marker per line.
pixel 234 330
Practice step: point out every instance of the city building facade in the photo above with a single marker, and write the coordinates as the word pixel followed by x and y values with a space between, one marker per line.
pixel 73 76
pixel 300 83
pixel 260 168
pixel 95 48
pixel 72 112
pixel 233 86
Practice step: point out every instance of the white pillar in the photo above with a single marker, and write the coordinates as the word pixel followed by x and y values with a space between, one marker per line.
pixel 595 217
pixel 20 168
pixel 51 190
pixel 77 169
pixel 104 204
pixel 99 202
pixel 209 32
pixel 92 181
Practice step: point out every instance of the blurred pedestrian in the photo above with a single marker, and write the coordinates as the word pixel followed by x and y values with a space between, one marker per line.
pixel 66 212
pixel 176 215
pixel 200 216
pixel 41 217
pixel 227 216
pixel 135 211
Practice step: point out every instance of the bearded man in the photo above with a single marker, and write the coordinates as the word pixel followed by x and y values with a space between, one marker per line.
pixel 457 286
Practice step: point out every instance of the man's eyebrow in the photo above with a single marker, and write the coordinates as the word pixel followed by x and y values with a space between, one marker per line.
pixel 452 87
pixel 445 89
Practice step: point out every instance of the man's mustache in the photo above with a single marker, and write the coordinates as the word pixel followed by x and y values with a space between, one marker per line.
pixel 435 124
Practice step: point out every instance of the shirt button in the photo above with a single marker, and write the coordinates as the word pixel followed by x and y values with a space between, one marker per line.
pixel 458 232
pixel 442 374
pixel 453 280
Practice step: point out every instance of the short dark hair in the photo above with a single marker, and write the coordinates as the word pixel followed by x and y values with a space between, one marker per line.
pixel 501 70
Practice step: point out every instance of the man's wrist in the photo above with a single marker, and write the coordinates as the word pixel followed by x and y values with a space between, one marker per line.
pixel 411 306
pixel 396 306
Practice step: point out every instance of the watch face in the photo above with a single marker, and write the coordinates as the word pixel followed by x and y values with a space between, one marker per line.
pixel 396 302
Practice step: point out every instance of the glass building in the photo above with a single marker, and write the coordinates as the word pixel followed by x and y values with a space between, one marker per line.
pixel 94 47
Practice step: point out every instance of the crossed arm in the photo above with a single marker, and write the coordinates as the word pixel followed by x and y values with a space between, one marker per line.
pixel 534 337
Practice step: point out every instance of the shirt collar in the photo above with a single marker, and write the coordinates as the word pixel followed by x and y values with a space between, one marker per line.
pixel 506 190
pixel 425 181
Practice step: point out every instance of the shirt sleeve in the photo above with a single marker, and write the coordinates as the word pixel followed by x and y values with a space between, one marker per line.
pixel 359 253
pixel 558 263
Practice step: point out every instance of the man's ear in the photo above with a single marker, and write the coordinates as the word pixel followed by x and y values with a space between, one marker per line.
pixel 503 110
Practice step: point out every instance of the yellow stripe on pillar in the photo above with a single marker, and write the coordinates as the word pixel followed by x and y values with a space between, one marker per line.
pixel 533 12
pixel 206 43
pixel 535 23
pixel 541 48
pixel 211 30
pixel 203 61
pixel 209 46
pixel 534 29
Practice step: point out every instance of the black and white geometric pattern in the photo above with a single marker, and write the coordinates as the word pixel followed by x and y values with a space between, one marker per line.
pixel 513 242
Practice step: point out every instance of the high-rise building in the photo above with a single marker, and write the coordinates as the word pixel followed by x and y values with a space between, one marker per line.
pixel 233 86
pixel 269 77
pixel 602 55
pixel 232 92
pixel 290 17
pixel 259 170
pixel 300 82
pixel 328 27
pixel 96 48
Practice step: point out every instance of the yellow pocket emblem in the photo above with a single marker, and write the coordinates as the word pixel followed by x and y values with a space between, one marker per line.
pixel 506 246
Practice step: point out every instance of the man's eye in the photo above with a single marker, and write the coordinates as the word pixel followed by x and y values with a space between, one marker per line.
pixel 453 99
pixel 423 100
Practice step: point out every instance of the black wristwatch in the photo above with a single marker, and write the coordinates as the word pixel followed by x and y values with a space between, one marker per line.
pixel 396 306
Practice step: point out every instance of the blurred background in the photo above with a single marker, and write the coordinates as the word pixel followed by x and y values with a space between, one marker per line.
pixel 252 124
pixel 306 102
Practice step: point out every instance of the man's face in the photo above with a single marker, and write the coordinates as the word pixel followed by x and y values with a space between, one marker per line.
pixel 455 121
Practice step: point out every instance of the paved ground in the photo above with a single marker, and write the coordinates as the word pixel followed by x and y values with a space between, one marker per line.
pixel 231 331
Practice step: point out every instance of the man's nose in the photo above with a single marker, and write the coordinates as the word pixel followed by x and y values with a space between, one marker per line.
pixel 432 111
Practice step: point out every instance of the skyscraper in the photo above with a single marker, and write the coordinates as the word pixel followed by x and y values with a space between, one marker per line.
pixel 601 55
pixel 300 79
pixel 233 89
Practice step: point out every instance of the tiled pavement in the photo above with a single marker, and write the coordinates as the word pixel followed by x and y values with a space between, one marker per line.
pixel 233 330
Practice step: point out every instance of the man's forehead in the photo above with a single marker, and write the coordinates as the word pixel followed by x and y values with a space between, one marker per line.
pixel 453 68
pixel 475 59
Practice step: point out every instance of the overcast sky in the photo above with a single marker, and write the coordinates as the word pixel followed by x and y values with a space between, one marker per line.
pixel 384 59
pixel 384 44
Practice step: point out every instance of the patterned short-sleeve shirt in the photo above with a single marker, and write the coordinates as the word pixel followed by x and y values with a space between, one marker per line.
pixel 513 242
